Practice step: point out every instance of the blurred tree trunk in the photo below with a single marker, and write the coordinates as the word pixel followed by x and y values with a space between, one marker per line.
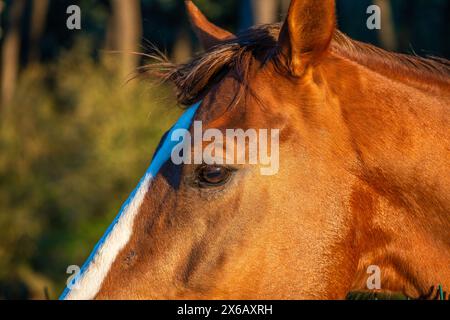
pixel 182 49
pixel 128 32
pixel 265 11
pixel 386 35
pixel 258 12
pixel 37 27
pixel 11 51
pixel 285 7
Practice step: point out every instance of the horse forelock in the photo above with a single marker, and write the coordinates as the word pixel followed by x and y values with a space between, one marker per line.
pixel 193 79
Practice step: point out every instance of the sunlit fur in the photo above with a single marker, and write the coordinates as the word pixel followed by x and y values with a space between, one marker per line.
pixel 364 175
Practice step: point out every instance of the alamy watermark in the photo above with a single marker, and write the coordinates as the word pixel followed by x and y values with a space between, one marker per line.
pixel 374 20
pixel 73 22
pixel 374 280
pixel 72 280
pixel 229 146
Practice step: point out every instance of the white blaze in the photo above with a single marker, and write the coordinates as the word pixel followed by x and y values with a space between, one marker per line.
pixel 90 281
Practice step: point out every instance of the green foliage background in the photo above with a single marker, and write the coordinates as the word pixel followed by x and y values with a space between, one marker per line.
pixel 72 150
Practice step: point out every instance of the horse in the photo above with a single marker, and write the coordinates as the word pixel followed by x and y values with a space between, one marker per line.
pixel 363 180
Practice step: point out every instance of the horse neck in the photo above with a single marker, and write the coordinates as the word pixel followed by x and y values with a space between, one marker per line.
pixel 399 133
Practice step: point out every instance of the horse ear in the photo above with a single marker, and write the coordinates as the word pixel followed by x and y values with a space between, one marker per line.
pixel 307 32
pixel 208 33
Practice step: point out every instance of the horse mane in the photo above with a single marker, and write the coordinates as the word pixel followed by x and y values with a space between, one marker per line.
pixel 194 78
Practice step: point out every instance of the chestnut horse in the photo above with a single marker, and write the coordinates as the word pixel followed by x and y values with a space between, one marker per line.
pixel 364 177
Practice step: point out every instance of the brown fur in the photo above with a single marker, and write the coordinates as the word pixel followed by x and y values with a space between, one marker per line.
pixel 364 178
pixel 196 77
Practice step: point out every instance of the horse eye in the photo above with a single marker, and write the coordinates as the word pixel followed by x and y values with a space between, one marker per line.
pixel 212 176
